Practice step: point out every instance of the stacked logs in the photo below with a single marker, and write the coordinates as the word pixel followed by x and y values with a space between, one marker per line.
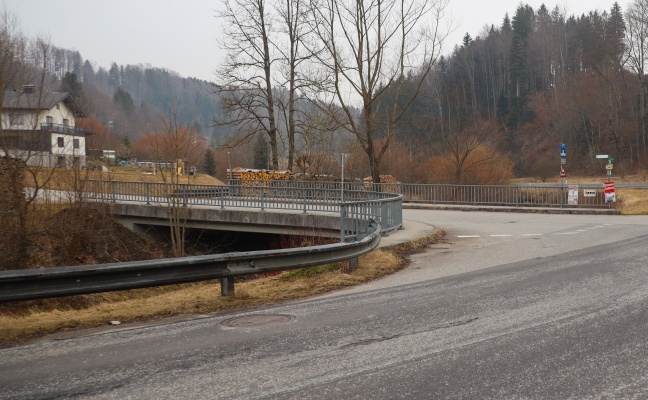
pixel 387 182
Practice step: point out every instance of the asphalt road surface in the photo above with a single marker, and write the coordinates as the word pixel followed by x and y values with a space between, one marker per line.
pixel 511 306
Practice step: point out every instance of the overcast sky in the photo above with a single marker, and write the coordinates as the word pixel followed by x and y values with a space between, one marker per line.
pixel 181 35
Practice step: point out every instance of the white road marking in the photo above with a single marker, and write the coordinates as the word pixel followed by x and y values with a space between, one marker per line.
pixel 576 232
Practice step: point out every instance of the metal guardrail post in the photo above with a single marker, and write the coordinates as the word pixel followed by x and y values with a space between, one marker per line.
pixel 148 197
pixel 113 191
pixel 261 197
pixel 343 220
pixel 227 286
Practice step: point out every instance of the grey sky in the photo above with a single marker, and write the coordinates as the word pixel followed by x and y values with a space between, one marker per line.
pixel 182 35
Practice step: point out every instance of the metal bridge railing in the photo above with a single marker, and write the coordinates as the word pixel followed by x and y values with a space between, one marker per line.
pixel 527 195
pixel 588 196
pixel 361 206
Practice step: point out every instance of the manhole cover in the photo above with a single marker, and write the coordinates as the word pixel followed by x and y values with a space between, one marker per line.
pixel 258 320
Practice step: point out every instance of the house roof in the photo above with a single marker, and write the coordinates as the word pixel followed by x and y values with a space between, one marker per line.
pixel 17 100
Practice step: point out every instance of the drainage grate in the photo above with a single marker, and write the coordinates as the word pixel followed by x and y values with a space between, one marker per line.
pixel 257 320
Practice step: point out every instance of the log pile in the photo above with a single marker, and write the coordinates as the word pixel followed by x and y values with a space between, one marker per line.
pixel 246 174
pixel 388 183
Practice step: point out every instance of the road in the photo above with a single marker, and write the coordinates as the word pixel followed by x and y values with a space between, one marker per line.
pixel 512 306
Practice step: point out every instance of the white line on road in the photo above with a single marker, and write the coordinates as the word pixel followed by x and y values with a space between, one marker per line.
pixel 468 236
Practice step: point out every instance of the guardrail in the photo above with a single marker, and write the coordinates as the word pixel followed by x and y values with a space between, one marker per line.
pixel 360 205
pixel 30 284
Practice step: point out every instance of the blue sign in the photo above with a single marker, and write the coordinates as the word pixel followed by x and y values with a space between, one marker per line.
pixel 563 150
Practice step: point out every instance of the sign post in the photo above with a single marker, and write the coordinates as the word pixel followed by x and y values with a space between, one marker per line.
pixel 609 167
pixel 341 158
pixel 563 172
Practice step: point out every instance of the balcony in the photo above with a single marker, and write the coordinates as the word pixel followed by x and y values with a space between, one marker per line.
pixel 60 128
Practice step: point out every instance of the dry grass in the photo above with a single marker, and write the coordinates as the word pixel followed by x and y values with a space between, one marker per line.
pixel 632 201
pixel 41 318
pixel 65 179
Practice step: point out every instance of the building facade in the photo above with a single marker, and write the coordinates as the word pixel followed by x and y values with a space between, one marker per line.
pixel 39 128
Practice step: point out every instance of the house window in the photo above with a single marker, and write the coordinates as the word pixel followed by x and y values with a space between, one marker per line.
pixel 16 119
pixel 59 142
pixel 49 120
pixel 66 122
pixel 76 143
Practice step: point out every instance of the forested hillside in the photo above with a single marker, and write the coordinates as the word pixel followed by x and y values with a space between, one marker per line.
pixel 496 105
pixel 539 79
pixel 132 98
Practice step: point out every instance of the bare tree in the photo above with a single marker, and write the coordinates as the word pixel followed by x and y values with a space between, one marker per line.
pixel 24 153
pixel 245 77
pixel 262 79
pixel 367 50
pixel 174 148
pixel 463 150
pixel 637 48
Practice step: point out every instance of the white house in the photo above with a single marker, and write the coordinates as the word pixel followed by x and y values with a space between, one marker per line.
pixel 39 127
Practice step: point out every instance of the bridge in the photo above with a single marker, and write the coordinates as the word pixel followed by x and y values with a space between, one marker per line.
pixel 313 209
pixel 328 209
pixel 359 216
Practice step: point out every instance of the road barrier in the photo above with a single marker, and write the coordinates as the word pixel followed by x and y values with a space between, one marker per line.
pixel 30 284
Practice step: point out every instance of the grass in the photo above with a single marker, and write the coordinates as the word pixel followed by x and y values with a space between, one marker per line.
pixel 65 179
pixel 632 201
pixel 33 319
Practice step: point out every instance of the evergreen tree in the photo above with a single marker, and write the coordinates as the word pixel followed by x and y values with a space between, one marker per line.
pixel 72 85
pixel 210 163
pixel 519 90
pixel 261 157
pixel 124 100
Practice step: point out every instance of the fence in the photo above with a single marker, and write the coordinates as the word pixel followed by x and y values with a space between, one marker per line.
pixel 357 208
pixel 531 195
pixel 504 195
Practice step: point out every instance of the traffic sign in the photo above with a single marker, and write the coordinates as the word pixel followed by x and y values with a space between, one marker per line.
pixel 563 150
pixel 602 156
pixel 572 195
pixel 563 173
pixel 610 193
